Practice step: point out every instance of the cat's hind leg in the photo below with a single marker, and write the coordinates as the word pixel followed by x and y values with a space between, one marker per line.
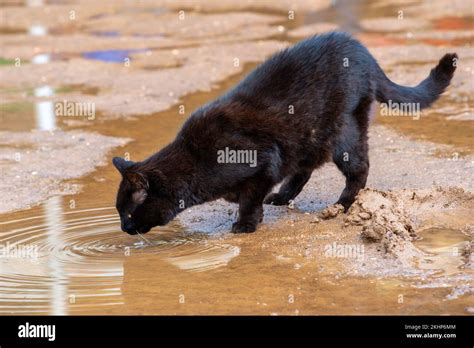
pixel 351 155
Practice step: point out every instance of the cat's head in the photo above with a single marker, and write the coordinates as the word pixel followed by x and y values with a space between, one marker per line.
pixel 143 199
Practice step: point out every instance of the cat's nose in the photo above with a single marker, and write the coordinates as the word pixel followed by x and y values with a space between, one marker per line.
pixel 129 227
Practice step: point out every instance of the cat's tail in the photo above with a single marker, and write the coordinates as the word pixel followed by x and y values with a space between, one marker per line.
pixel 426 92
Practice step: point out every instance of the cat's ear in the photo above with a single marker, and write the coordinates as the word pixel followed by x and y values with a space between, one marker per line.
pixel 137 179
pixel 134 177
pixel 121 164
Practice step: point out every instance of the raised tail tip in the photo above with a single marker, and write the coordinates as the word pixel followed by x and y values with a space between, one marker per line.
pixel 446 66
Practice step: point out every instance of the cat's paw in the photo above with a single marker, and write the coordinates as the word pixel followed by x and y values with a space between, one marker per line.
pixel 275 199
pixel 346 203
pixel 243 227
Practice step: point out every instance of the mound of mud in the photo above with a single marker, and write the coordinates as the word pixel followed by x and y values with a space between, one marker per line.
pixel 391 218
pixel 384 220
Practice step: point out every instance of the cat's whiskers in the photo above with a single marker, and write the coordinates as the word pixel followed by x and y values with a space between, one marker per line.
pixel 146 240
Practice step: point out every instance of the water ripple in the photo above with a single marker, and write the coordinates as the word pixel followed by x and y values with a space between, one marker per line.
pixel 61 261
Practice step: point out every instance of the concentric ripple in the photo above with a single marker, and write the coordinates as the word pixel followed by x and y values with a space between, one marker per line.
pixel 55 261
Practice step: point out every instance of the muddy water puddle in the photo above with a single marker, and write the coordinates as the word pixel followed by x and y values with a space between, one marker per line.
pixel 61 262
pixel 29 114
pixel 443 248
pixel 82 263
pixel 437 127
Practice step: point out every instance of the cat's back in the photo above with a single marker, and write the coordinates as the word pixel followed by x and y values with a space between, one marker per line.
pixel 298 67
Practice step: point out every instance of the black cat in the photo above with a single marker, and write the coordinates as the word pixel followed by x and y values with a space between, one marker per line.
pixel 304 106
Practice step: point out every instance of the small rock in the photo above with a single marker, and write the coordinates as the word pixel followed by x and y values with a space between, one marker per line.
pixel 331 211
pixel 355 219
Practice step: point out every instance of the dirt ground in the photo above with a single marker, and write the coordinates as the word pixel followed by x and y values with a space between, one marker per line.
pixel 145 69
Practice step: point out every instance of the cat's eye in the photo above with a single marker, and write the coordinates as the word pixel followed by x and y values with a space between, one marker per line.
pixel 129 216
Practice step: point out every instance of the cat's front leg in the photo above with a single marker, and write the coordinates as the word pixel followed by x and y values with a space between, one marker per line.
pixel 249 218
pixel 251 205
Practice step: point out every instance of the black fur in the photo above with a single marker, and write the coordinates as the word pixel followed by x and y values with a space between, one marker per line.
pixel 329 81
